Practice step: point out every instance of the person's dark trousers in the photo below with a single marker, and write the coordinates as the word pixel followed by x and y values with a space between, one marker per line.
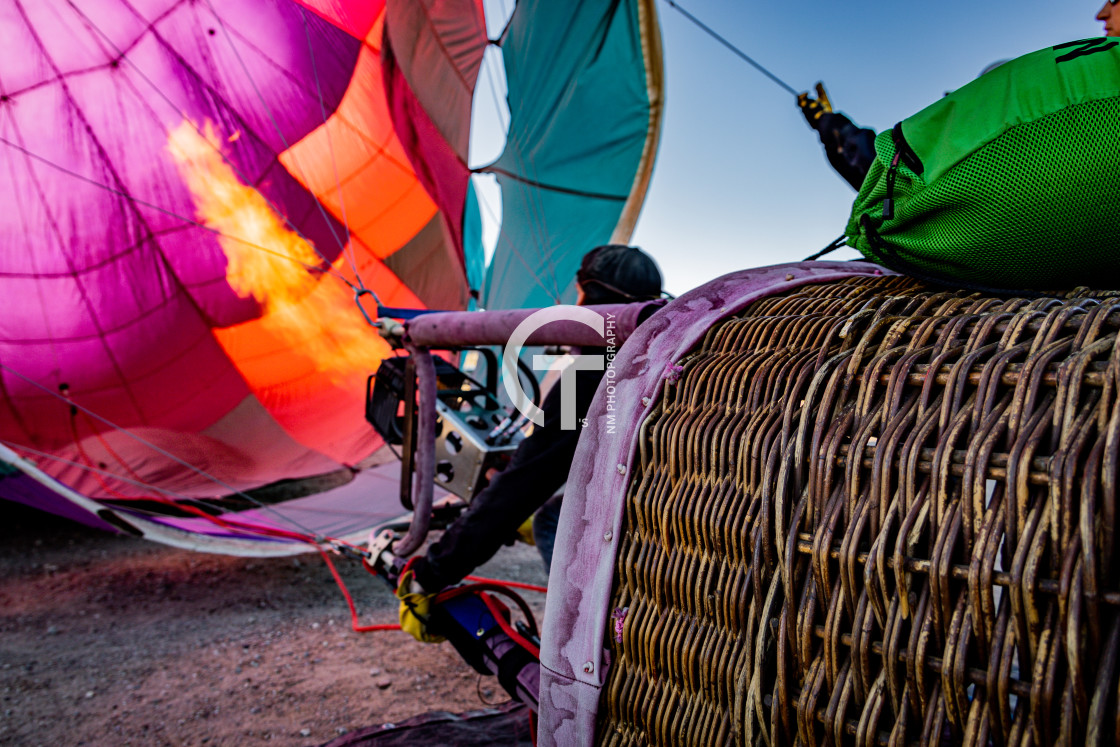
pixel 544 528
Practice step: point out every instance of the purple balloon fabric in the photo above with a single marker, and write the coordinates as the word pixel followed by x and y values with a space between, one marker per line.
pixel 109 286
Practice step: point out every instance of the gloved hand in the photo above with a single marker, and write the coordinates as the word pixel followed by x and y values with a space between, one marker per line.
pixel 815 109
pixel 525 532
pixel 415 608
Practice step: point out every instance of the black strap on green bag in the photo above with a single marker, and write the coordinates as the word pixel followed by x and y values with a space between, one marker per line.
pixel 1011 182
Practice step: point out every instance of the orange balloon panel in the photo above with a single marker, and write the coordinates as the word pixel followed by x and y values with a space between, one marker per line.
pixel 357 168
pixel 307 363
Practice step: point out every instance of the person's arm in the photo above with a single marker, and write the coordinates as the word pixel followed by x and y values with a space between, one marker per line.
pixel 495 514
pixel 849 149
pixel 538 468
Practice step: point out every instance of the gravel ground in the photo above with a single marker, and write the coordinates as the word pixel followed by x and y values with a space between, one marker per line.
pixel 111 640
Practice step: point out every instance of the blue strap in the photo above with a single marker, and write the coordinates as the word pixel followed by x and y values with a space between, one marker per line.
pixel 389 311
pixel 395 313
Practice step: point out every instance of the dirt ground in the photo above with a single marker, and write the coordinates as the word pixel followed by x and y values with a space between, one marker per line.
pixel 111 640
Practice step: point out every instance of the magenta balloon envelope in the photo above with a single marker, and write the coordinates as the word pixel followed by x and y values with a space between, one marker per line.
pixel 131 354
pixel 197 194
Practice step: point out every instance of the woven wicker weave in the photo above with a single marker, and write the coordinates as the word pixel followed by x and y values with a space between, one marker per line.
pixel 873 513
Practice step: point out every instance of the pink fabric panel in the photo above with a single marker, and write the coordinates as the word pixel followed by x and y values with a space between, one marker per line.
pixel 572 654
pixel 437 44
pixel 436 164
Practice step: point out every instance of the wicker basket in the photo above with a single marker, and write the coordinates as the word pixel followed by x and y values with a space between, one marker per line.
pixel 870 512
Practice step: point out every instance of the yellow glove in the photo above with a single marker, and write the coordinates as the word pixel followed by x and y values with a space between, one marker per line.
pixel 814 109
pixel 415 607
pixel 525 532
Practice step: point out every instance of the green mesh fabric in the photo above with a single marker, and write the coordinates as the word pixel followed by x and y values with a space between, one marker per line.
pixel 1019 183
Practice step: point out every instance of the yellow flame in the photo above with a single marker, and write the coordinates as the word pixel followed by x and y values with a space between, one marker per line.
pixel 271 263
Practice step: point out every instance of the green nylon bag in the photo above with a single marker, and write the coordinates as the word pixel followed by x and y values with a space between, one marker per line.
pixel 1012 181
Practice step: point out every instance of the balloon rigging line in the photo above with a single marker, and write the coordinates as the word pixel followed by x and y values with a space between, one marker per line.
pixel 549 187
pixel 327 218
pixel 529 268
pixel 244 178
pixel 326 269
pixel 509 20
pixel 202 473
pixel 53 345
pixel 538 219
pixel 348 249
pixel 503 111
pixel 490 211
pixel 532 271
pixel 732 47
pixel 320 543
pixel 184 502
pixel 538 224
pixel 137 480
pixel 97 148
pixel 537 211
pixel 101 472
pixel 272 118
pixel 104 444
pixel 538 215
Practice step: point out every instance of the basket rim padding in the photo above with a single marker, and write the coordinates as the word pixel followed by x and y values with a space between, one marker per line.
pixel 573 667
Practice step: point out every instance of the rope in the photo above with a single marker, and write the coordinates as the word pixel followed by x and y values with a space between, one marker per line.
pixel 497 588
pixel 742 55
pixel 202 473
pixel 317 543
pixel 498 611
pixel 535 206
pixel 510 584
pixel 343 244
pixel 836 244
pixel 184 503
pixel 347 249
pixel 358 628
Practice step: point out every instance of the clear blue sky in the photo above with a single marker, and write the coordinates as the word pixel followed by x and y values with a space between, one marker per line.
pixel 740 179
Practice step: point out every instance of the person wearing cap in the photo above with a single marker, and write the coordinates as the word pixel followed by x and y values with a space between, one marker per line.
pixel 608 274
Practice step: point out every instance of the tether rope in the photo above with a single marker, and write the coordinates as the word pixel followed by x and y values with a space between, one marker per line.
pixel 321 544
pixel 738 52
